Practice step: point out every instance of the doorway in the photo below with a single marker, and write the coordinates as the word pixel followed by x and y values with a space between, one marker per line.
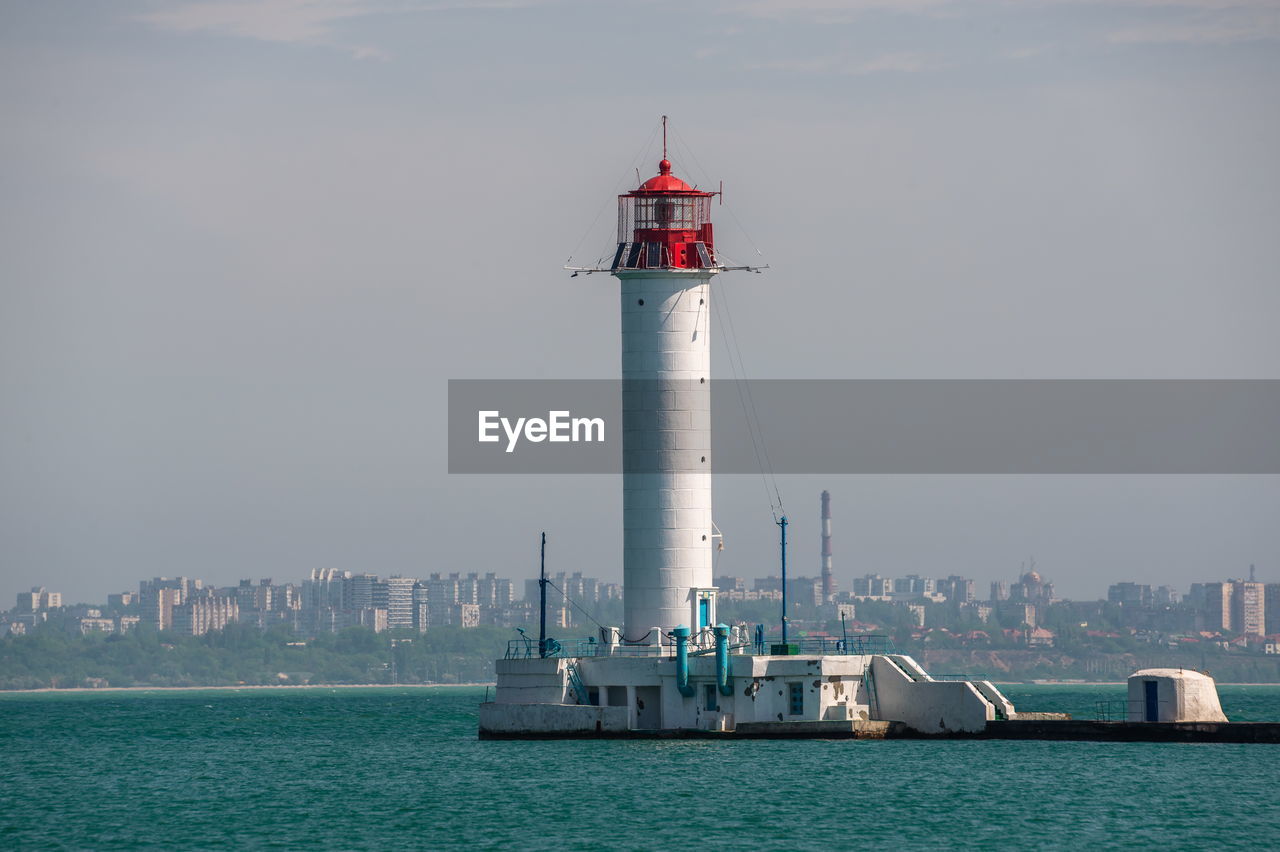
pixel 1151 693
pixel 648 707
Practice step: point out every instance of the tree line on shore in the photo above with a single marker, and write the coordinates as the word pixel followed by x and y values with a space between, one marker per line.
pixel 243 654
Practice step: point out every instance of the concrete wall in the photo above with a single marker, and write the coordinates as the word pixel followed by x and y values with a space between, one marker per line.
pixel 622 671
pixel 831 688
pixel 550 718
pixel 928 706
pixel 532 681
pixel 761 689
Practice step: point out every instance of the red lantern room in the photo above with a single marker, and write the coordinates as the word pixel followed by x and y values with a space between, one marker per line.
pixel 664 224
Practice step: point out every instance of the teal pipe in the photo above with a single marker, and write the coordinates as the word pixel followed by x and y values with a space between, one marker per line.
pixel 681 635
pixel 723 681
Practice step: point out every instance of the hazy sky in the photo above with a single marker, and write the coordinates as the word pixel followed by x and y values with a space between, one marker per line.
pixel 244 245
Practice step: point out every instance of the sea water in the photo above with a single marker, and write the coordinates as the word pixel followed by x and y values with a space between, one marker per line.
pixel 401 768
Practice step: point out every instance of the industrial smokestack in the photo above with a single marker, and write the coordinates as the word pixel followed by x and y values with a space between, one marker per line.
pixel 828 579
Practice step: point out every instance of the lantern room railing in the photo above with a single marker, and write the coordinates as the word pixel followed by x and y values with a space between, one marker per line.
pixel 661 212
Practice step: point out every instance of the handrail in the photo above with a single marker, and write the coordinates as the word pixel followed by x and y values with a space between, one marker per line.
pixel 1117 709
pixel 858 645
pixel 873 700
pixel 861 645
pixel 524 649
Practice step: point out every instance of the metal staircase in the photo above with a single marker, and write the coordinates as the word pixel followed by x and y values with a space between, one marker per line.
pixel 992 695
pixel 576 684
pixel 903 664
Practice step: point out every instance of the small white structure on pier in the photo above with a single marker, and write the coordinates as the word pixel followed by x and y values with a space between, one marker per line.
pixel 1173 695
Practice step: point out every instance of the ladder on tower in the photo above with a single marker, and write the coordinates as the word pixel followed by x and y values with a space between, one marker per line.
pixel 575 683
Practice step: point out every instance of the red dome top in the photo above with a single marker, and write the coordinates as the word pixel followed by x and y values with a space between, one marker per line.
pixel 664 181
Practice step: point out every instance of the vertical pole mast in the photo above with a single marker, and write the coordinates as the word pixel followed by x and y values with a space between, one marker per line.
pixel 783 524
pixel 542 595
pixel 828 578
pixel 664 137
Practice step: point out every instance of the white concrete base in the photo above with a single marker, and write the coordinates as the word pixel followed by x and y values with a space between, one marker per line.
pixel 533 681
pixel 641 694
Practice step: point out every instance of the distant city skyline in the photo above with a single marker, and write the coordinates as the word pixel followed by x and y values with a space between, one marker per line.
pixel 1027 584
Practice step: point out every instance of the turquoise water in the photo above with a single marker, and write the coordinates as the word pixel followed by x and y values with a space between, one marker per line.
pixel 402 769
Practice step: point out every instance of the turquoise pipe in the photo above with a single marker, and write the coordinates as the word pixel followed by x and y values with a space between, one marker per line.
pixel 723 681
pixel 681 635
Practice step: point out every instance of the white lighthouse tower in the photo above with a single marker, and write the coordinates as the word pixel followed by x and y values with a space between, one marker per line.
pixel 664 262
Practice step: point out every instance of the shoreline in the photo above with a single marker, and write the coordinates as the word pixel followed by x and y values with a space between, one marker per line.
pixel 237 687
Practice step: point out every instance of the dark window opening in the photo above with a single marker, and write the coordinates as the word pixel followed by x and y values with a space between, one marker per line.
pixel 796 697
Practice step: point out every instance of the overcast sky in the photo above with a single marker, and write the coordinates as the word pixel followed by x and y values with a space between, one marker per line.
pixel 244 245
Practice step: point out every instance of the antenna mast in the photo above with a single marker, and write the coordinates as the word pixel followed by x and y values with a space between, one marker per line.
pixel 542 595
pixel 783 523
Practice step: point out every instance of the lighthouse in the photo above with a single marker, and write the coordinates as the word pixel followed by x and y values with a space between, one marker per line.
pixel 664 263
pixel 673 666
